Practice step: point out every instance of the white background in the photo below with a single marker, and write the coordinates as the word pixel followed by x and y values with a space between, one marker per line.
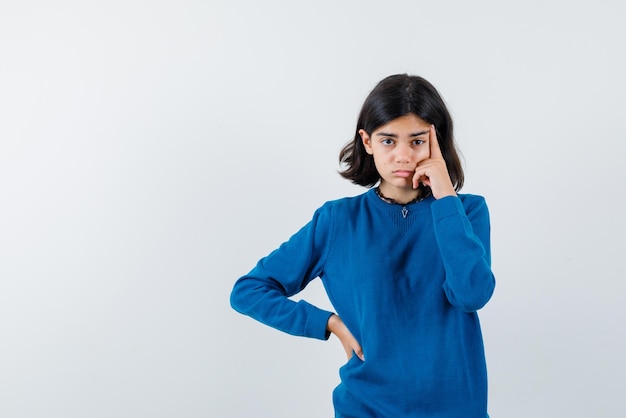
pixel 152 151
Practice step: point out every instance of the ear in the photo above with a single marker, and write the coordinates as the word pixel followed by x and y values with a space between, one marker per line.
pixel 367 141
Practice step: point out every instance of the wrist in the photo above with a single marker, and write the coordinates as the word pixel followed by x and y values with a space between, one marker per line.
pixel 440 194
pixel 333 324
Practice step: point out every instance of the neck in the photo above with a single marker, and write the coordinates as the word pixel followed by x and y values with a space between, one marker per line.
pixel 396 195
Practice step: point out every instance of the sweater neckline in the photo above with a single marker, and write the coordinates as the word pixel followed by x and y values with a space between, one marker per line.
pixel 391 201
pixel 419 205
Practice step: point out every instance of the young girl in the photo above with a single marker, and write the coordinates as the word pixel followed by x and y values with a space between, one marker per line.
pixel 406 266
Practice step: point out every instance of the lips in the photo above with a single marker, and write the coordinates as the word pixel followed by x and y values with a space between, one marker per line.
pixel 403 173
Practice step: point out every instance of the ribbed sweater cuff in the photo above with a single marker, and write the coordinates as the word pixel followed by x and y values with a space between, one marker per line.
pixel 447 206
pixel 317 320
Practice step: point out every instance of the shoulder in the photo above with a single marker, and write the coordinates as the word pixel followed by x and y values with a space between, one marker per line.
pixel 343 205
pixel 327 218
pixel 472 200
pixel 474 205
pixel 341 211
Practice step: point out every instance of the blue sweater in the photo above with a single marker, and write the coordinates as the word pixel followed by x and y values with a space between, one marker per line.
pixel 407 282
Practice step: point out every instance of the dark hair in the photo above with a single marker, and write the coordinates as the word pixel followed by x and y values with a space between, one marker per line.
pixel 395 96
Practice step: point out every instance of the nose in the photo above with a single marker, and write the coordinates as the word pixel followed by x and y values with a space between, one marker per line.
pixel 403 153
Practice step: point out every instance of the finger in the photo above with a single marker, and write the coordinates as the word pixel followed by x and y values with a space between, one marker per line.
pixel 420 178
pixel 422 173
pixel 349 352
pixel 353 346
pixel 435 151
pixel 359 352
pixel 416 179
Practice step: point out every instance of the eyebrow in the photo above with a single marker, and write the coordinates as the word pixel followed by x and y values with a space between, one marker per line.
pixel 395 136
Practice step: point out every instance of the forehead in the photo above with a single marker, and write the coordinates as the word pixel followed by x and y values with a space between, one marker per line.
pixel 407 123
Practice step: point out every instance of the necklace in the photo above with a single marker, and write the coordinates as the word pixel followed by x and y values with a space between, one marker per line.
pixel 393 201
pixel 405 210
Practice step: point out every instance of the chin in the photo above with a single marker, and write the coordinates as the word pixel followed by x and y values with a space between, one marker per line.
pixel 402 183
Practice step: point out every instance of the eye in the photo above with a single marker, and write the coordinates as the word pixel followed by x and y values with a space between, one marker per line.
pixel 418 141
pixel 387 141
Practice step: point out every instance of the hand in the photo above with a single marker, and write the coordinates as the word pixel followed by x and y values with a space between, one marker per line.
pixel 432 171
pixel 350 344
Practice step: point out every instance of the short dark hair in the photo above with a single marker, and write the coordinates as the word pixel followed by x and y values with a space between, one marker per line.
pixel 395 96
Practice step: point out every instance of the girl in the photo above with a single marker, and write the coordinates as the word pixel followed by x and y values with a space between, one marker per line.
pixel 406 266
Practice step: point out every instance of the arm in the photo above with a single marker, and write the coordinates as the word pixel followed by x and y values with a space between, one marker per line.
pixel 264 293
pixel 462 230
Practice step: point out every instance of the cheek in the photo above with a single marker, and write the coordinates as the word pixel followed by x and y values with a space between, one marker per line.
pixel 423 154
pixel 380 157
pixel 379 161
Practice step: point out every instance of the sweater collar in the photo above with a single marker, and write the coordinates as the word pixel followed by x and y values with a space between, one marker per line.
pixel 373 198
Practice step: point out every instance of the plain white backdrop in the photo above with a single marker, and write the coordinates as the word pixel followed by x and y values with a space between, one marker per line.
pixel 152 151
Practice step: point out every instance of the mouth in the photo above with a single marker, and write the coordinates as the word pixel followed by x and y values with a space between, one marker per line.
pixel 403 173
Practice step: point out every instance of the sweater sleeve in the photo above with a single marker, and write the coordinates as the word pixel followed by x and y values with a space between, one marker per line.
pixel 462 229
pixel 264 292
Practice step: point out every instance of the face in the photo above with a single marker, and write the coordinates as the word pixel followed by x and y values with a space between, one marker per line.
pixel 397 148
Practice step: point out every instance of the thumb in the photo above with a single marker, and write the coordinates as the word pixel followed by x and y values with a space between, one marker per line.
pixel 358 351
